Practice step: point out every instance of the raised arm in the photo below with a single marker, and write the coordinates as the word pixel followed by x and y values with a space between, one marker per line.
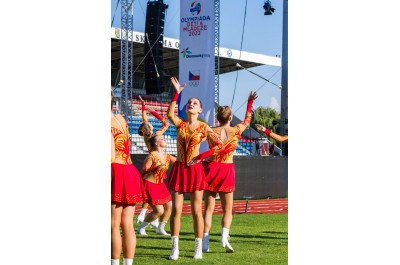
pixel 164 122
pixel 277 137
pixel 144 114
pixel 155 114
pixel 247 118
pixel 171 109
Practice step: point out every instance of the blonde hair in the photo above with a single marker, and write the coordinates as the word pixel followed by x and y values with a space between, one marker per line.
pixel 145 129
pixel 223 114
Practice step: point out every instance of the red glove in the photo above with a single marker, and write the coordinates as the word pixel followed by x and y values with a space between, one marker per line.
pixel 249 105
pixel 155 114
pixel 175 98
pixel 204 155
pixel 267 132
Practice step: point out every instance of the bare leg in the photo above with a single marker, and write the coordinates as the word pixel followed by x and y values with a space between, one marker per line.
pixel 116 240
pixel 158 210
pixel 167 212
pixel 196 199
pixel 129 236
pixel 209 201
pixel 177 204
pixel 227 206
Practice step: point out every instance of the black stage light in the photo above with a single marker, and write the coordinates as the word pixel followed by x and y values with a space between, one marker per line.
pixel 268 8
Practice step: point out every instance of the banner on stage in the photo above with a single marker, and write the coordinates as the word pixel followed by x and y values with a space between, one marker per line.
pixel 196 56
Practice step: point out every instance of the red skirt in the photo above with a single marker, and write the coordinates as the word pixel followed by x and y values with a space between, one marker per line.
pixel 185 178
pixel 220 177
pixel 157 194
pixel 126 184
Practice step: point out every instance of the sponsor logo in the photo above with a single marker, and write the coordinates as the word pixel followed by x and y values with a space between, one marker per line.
pixel 195 8
pixel 194 78
pixel 186 53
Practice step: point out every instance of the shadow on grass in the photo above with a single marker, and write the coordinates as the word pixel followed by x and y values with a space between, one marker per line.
pixel 274 232
pixel 233 236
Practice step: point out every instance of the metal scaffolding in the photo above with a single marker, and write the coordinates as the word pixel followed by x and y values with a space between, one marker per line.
pixel 216 44
pixel 126 56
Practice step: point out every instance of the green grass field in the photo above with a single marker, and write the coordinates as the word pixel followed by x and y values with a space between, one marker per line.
pixel 256 238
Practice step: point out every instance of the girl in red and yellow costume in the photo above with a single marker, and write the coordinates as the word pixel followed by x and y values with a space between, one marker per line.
pixel 187 175
pixel 126 190
pixel 158 196
pixel 277 137
pixel 220 172
pixel 146 130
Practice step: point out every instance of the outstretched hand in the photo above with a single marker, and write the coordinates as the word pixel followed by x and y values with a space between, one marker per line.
pixel 141 100
pixel 259 128
pixel 178 87
pixel 252 95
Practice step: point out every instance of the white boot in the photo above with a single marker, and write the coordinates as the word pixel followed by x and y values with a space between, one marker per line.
pixel 161 229
pixel 224 240
pixel 142 228
pixel 206 242
pixel 155 223
pixel 128 261
pixel 140 217
pixel 175 248
pixel 198 253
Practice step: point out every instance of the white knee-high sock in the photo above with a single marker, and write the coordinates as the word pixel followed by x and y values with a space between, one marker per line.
pixel 128 261
pixel 225 232
pixel 143 212
pixel 114 261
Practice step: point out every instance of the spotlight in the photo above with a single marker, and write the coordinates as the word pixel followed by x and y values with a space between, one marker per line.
pixel 268 8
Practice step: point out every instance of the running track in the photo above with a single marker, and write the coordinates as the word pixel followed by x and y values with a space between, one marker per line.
pixel 253 207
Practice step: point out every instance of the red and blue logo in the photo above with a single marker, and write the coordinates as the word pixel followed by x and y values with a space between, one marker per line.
pixel 194 75
pixel 194 78
pixel 195 8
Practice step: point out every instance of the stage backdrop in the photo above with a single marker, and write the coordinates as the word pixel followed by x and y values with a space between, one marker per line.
pixel 196 58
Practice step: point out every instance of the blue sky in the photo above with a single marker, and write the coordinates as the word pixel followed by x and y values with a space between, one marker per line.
pixel 262 34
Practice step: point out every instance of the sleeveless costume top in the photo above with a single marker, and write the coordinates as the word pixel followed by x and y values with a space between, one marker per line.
pixel 159 173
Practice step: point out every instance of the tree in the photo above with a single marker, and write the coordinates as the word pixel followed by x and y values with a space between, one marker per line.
pixel 267 117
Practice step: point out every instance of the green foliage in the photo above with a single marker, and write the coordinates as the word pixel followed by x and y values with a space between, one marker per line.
pixel 256 238
pixel 267 117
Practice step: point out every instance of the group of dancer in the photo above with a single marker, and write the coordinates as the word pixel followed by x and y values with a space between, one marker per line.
pixel 192 172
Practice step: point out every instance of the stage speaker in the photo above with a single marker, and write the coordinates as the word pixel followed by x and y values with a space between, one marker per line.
pixel 153 47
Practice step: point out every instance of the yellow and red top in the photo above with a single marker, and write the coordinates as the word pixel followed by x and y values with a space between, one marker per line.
pixel 122 144
pixel 233 136
pixel 152 165
pixel 188 140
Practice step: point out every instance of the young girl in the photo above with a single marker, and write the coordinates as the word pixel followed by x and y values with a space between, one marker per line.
pixel 126 190
pixel 146 130
pixel 154 172
pixel 277 137
pixel 187 175
pixel 220 172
